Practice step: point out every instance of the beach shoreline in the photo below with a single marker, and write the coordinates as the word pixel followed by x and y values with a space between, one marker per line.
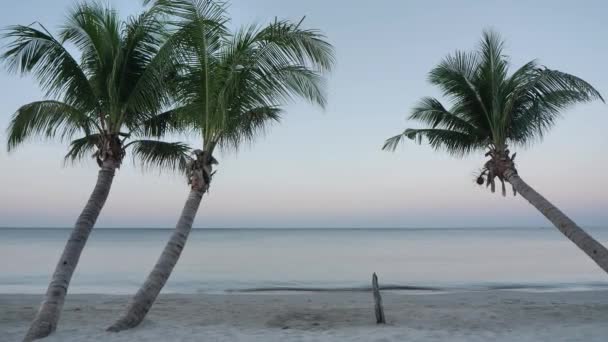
pixel 498 315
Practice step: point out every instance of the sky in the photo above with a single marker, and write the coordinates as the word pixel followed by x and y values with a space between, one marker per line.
pixel 325 168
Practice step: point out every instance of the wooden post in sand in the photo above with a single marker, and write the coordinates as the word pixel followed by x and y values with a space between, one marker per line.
pixel 377 301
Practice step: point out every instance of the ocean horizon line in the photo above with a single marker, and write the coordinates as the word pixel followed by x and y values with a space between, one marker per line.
pixel 313 228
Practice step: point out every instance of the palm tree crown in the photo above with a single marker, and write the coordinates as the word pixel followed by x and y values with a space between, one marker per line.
pixel 106 96
pixel 491 110
pixel 229 86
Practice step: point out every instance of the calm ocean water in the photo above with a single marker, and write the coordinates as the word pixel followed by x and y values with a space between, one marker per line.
pixel 117 260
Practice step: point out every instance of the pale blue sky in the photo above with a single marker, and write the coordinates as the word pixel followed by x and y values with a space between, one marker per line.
pixel 325 168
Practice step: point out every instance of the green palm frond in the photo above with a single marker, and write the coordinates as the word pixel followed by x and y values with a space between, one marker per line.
pixel 146 67
pixel 491 74
pixel 287 41
pixel 393 142
pixel 455 76
pixel 247 126
pixel 47 119
pixel 182 120
pixel 454 142
pixel 182 12
pixel 36 51
pixel 159 154
pixel 431 112
pixel 280 60
pixel 540 100
pixel 95 30
pixel 202 31
pixel 128 62
pixel 82 147
pixel 299 81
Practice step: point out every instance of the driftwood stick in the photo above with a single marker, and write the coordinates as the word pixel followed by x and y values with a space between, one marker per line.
pixel 379 310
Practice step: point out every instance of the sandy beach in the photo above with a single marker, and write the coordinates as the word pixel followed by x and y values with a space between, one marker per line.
pixel 335 316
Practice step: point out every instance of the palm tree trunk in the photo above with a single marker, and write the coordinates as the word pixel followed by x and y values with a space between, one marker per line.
pixel 47 317
pixel 146 295
pixel 571 230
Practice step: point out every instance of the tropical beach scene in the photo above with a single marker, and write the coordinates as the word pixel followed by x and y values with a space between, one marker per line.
pixel 278 170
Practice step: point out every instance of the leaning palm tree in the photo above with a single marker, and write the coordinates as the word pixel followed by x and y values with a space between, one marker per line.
pixel 494 112
pixel 232 86
pixel 98 103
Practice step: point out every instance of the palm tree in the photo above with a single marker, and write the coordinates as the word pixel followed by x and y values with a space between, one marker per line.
pixel 493 112
pixel 99 103
pixel 232 87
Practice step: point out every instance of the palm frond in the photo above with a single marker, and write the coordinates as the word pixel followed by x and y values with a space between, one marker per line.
pixel 247 126
pixel 142 74
pixel 181 12
pixel 455 143
pixel 558 80
pixel 288 41
pixel 47 119
pixel 431 112
pixel 95 30
pixel 541 98
pixel 170 156
pixel 80 148
pixel 393 142
pixel 282 60
pixel 490 82
pixel 36 51
pixel 175 121
pixel 455 76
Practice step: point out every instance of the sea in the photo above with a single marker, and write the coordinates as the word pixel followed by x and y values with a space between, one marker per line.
pixel 117 260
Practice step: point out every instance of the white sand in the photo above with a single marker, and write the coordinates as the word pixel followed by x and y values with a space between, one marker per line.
pixel 340 316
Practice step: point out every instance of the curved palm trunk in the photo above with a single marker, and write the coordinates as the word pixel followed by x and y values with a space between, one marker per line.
pixel 146 295
pixel 571 230
pixel 47 317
